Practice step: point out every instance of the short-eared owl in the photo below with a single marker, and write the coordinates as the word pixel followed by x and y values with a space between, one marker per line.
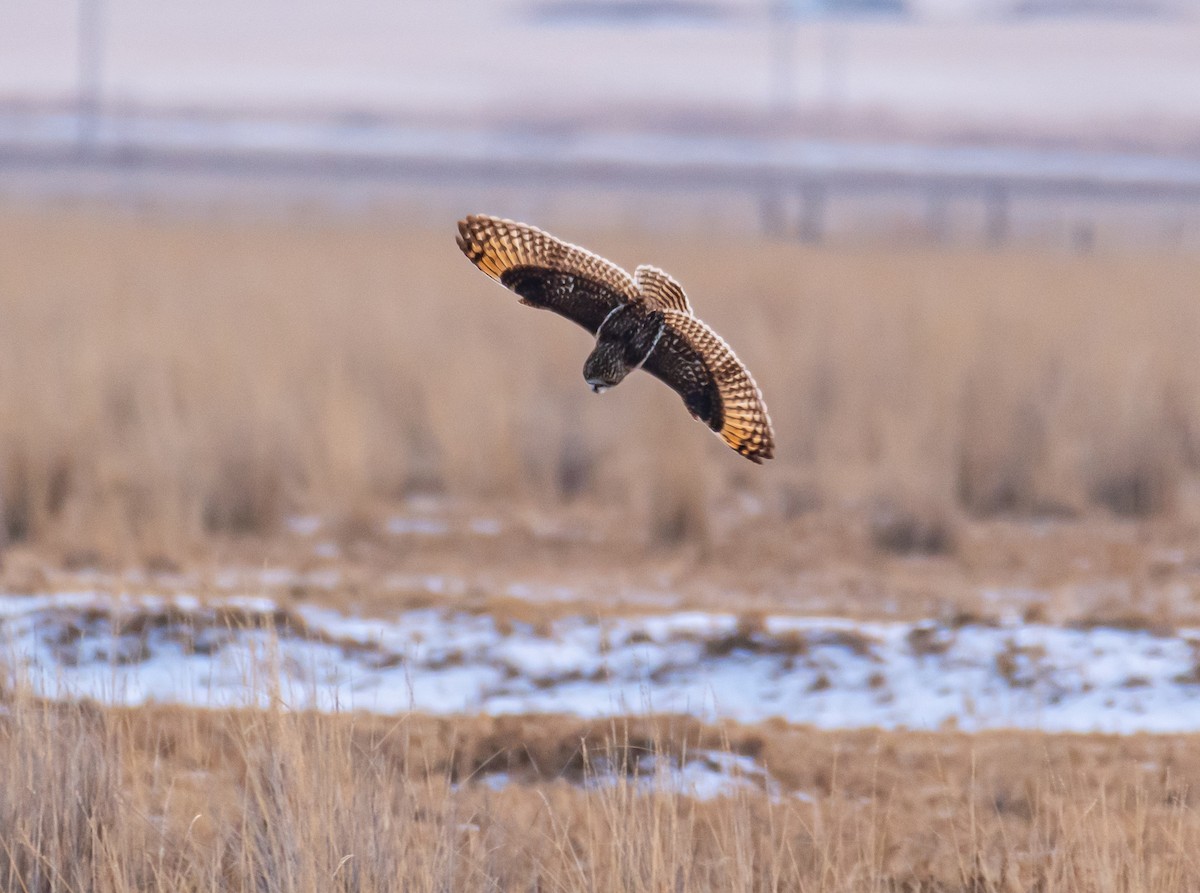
pixel 643 321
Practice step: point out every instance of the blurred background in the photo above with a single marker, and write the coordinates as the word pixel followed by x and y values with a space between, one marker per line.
pixel 955 240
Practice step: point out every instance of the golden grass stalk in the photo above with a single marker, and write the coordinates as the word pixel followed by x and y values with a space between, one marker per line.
pixel 175 799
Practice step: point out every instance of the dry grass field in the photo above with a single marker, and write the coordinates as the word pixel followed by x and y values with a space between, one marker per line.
pixel 166 378
pixel 195 404
pixel 167 383
pixel 172 800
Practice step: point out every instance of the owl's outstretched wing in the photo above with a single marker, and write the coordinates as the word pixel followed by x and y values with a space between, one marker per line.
pixel 546 272
pixel 716 387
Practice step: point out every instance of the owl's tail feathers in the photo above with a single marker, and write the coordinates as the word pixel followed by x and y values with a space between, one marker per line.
pixel 660 290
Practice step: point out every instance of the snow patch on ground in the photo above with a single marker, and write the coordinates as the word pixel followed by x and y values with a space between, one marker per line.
pixel 701 774
pixel 408 526
pixel 830 672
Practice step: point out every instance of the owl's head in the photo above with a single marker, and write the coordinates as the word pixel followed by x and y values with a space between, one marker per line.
pixel 605 366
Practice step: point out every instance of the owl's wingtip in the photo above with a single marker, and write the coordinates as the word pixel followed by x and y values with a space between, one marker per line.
pixel 756 450
pixel 473 221
pixel 468 239
pixel 465 226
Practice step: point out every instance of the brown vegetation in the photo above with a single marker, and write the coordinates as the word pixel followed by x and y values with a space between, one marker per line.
pixel 167 383
pixel 179 800
pixel 960 435
pixel 163 378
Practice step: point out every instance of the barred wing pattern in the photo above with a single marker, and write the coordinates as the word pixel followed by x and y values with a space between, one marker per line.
pixel 660 290
pixel 546 272
pixel 716 387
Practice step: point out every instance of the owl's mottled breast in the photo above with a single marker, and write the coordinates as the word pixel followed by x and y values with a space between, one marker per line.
pixel 635 327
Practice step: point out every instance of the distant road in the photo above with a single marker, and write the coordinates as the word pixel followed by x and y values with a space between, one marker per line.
pixel 802 173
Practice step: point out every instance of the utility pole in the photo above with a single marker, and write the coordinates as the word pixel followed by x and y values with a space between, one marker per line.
pixel 781 34
pixel 835 52
pixel 91 64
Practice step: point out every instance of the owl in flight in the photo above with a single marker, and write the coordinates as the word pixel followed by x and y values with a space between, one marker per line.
pixel 640 321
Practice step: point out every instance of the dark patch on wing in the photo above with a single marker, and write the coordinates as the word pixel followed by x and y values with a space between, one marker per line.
pixel 580 300
pixel 681 367
pixel 715 385
pixel 545 271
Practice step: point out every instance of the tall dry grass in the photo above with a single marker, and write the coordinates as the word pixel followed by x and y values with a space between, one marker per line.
pixel 164 377
pixel 93 799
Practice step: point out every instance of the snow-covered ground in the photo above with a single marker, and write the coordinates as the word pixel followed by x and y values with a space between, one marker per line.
pixel 834 673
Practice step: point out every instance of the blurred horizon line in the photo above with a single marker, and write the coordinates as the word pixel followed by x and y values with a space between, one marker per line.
pixel 791 179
